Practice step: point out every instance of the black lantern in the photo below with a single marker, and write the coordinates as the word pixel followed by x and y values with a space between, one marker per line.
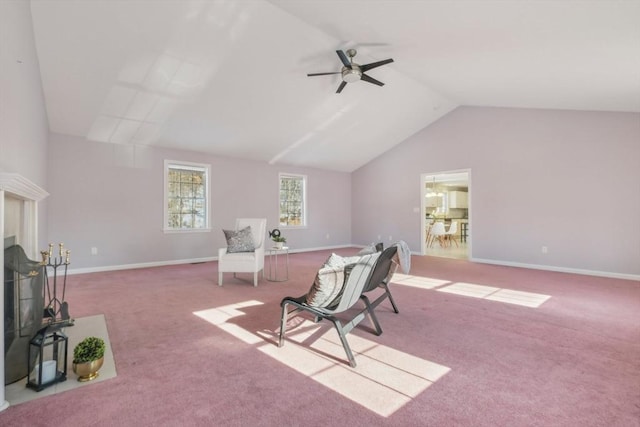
pixel 47 359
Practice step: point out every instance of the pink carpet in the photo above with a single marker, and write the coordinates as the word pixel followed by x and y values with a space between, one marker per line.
pixel 572 361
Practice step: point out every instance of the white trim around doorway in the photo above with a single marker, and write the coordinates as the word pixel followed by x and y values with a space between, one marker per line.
pixel 427 177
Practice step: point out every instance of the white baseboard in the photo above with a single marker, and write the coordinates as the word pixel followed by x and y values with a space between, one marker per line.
pixel 139 265
pixel 559 269
pixel 179 261
pixel 322 248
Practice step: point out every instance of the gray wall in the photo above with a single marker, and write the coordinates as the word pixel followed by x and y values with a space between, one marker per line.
pixel 23 119
pixel 568 180
pixel 110 197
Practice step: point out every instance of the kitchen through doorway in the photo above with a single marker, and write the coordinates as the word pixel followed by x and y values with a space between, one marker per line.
pixel 446 206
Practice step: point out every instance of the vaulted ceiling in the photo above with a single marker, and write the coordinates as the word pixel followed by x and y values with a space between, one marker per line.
pixel 229 77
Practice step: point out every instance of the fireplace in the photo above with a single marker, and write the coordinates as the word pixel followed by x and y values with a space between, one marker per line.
pixel 19 199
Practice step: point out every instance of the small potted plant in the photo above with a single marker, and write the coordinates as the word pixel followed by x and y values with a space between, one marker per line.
pixel 279 241
pixel 277 238
pixel 88 356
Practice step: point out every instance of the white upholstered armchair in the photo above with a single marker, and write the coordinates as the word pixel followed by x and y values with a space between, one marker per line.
pixel 240 256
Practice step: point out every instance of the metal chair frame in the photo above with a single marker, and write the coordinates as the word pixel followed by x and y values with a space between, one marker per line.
pixel 354 285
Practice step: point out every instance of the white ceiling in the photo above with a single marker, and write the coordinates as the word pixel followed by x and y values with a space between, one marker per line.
pixel 229 77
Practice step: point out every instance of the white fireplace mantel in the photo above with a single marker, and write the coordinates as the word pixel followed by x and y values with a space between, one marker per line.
pixel 16 186
pixel 20 187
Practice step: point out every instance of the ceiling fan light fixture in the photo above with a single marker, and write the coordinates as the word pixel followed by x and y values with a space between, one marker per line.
pixel 351 75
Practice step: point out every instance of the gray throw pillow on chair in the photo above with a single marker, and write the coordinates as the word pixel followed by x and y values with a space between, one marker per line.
pixel 239 241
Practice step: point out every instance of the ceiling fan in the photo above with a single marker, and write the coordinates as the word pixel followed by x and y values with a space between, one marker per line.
pixel 352 72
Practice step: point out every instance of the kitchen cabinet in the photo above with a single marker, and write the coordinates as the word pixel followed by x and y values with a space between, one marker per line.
pixel 433 202
pixel 458 199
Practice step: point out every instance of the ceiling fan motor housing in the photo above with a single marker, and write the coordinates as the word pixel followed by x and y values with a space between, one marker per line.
pixel 352 74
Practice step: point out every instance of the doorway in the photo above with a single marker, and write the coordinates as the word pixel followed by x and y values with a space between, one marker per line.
pixel 446 199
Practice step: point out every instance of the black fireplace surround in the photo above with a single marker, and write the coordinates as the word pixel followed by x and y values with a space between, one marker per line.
pixel 23 309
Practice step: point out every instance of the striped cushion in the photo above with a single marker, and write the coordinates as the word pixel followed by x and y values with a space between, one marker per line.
pixel 327 289
pixel 326 286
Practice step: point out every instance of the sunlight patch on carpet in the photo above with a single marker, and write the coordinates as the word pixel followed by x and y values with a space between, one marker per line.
pixel 384 381
pixel 219 317
pixel 418 281
pixel 469 290
pixel 527 299
pixel 510 296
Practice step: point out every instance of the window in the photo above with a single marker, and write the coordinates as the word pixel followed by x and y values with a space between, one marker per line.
pixel 292 200
pixel 186 194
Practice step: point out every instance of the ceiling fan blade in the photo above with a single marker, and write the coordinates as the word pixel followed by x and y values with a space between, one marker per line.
pixel 366 67
pixel 371 80
pixel 344 59
pixel 322 74
pixel 342 85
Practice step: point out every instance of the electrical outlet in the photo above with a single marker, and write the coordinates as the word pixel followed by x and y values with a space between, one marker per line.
pixel 94 251
pixel 390 238
pixel 379 237
pixel 545 249
pixel 327 236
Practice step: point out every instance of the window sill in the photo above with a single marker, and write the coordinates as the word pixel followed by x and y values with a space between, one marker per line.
pixel 185 230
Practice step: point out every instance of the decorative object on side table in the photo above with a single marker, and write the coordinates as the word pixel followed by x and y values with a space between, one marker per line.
pixel 277 238
pixel 88 356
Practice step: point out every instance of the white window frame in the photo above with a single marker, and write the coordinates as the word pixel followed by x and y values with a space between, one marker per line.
pixel 178 164
pixel 304 199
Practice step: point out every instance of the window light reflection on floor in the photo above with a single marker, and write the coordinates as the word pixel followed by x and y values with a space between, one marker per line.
pixel 527 299
pixel 418 281
pixel 384 380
